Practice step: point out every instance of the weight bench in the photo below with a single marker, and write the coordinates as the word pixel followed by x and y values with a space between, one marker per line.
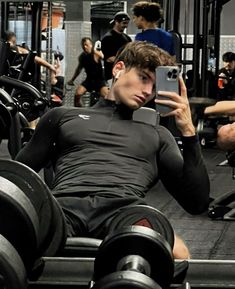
pixel 223 207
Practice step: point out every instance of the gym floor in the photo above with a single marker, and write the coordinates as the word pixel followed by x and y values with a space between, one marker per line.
pixel 206 238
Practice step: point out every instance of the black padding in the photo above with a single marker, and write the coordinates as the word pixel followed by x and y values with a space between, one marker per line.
pixel 81 247
pixel 146 115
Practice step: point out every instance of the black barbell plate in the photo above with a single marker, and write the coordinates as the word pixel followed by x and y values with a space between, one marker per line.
pixel 146 216
pixel 127 280
pixel 38 193
pixel 12 268
pixel 18 221
pixel 136 240
pixel 58 231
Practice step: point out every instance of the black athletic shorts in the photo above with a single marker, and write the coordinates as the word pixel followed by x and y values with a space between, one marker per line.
pixel 90 216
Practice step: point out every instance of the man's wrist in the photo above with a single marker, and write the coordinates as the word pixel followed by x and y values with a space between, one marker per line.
pixel 189 131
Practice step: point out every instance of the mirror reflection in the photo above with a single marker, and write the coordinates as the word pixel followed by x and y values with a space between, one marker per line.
pixel 65 53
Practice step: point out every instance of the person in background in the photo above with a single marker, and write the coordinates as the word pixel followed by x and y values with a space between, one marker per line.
pixel 226 78
pixel 10 37
pixel 90 61
pixel 146 16
pixel 113 40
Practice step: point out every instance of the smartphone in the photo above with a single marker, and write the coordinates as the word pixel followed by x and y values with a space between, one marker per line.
pixel 167 79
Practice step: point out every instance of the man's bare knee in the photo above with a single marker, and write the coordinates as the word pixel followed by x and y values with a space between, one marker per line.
pixel 180 250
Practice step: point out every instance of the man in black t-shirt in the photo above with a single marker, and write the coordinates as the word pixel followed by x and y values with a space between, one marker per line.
pixel 113 40
pixel 90 60
pixel 226 80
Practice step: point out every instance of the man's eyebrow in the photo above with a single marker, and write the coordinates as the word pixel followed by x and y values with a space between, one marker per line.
pixel 148 73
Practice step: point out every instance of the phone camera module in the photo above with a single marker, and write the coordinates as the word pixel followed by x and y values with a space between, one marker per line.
pixel 169 74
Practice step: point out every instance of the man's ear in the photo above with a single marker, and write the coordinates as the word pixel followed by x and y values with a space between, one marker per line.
pixel 118 67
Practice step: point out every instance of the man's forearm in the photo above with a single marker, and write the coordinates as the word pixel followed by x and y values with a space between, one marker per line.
pixel 221 107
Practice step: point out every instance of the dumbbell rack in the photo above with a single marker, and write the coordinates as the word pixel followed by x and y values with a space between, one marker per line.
pixel 61 272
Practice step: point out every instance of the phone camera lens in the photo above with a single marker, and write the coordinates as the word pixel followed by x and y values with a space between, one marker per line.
pixel 169 74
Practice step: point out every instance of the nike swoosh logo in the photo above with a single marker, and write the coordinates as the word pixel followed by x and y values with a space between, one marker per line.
pixel 84 116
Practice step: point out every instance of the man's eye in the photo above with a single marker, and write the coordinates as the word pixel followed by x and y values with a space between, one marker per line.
pixel 143 77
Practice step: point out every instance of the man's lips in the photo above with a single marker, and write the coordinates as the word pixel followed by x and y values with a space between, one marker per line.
pixel 140 98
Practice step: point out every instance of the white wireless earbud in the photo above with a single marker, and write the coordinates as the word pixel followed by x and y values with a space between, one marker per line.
pixel 118 74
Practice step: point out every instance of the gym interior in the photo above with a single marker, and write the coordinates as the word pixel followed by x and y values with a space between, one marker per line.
pixel 203 30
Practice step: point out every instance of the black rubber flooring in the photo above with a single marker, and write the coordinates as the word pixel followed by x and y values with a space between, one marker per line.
pixel 206 238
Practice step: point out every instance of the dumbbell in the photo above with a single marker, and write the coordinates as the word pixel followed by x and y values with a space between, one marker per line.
pixel 133 257
pixel 143 215
pixel 31 219
pixel 12 270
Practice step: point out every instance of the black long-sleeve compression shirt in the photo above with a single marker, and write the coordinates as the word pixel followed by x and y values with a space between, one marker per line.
pixel 100 150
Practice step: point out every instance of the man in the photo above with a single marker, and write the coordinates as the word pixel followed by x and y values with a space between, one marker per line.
pixel 226 81
pixel 146 16
pixel 90 60
pixel 10 37
pixel 225 133
pixel 104 160
pixel 113 40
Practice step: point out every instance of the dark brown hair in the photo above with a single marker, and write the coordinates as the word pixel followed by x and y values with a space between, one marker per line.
pixel 143 55
pixel 151 11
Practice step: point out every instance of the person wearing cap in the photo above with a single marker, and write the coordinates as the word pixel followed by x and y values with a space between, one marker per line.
pixel 146 16
pixel 113 40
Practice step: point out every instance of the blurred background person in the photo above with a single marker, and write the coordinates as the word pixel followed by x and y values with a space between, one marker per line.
pixel 113 40
pixel 90 60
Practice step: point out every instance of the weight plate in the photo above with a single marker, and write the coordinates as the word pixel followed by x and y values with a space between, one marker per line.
pixel 136 240
pixel 58 232
pixel 11 266
pixel 146 216
pixel 18 221
pixel 36 190
pixel 127 280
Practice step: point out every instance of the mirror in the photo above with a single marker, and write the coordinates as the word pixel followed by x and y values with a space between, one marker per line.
pixel 63 24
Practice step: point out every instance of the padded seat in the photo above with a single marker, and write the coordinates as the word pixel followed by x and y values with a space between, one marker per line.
pixel 81 247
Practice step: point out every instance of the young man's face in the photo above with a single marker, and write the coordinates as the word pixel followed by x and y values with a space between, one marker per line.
pixel 134 87
pixel 87 46
pixel 229 66
pixel 138 20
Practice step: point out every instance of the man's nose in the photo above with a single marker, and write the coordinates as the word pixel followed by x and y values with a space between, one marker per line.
pixel 147 90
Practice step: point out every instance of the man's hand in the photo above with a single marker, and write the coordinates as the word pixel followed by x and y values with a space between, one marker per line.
pixel 224 78
pixel 110 59
pixel 70 82
pixel 181 109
